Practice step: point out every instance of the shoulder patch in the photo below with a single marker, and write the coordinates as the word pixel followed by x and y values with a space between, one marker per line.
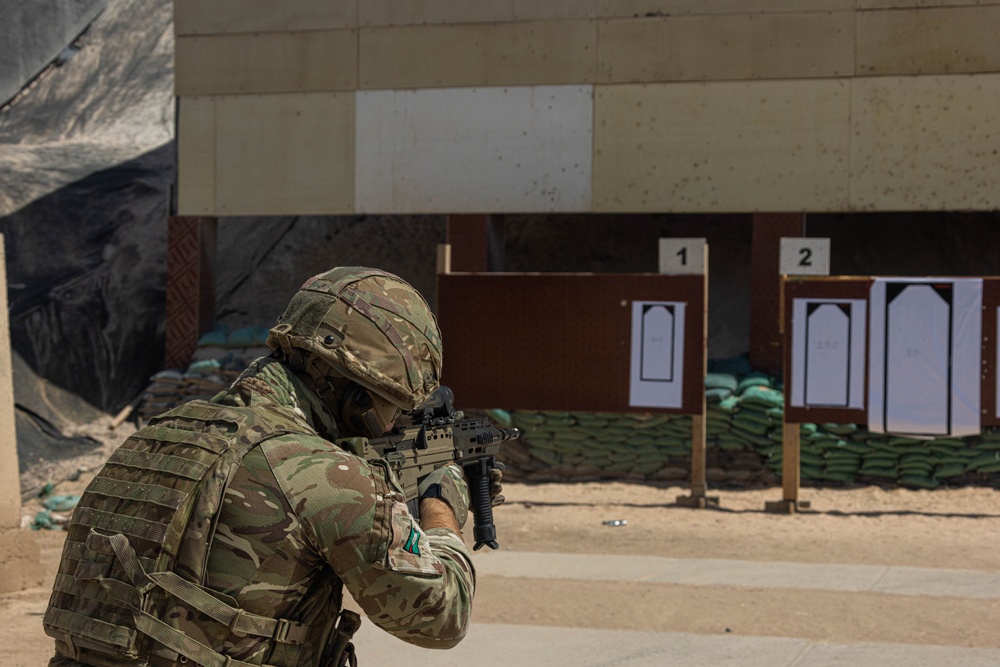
pixel 413 542
pixel 408 549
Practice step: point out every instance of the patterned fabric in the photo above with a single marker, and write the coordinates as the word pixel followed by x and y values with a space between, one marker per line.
pixel 448 483
pixel 300 517
pixel 366 324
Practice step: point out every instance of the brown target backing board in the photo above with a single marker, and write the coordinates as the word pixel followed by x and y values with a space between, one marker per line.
pixel 858 287
pixel 553 341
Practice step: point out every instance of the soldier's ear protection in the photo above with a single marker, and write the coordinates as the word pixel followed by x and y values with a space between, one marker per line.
pixel 364 413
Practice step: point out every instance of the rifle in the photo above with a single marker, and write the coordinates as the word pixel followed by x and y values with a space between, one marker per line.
pixel 437 435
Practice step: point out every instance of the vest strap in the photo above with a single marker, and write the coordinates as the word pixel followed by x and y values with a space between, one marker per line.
pixel 176 640
pixel 237 620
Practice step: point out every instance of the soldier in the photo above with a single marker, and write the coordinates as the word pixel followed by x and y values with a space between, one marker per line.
pixel 223 532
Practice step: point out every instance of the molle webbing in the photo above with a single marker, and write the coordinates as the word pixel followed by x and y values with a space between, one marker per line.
pixel 159 463
pixel 147 493
pixel 139 540
pixel 91 628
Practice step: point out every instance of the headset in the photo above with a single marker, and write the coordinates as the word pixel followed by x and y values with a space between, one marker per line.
pixel 366 414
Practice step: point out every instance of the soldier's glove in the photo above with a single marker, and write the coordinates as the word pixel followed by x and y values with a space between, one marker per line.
pixel 496 489
pixel 448 483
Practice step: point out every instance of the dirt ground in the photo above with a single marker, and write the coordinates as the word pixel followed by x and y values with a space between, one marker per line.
pixel 945 528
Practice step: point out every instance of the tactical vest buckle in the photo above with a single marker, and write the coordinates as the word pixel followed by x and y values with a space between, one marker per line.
pixel 289 632
pixel 234 623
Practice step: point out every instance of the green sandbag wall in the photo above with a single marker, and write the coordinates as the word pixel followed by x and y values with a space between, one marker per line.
pixel 743 445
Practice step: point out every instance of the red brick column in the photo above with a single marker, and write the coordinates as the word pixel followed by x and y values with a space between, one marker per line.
pixel 765 282
pixel 476 243
pixel 191 245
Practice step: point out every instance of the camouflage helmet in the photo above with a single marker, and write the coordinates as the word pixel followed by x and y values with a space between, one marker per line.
pixel 367 325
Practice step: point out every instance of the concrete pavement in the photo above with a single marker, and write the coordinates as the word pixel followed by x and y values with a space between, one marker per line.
pixel 533 646
pixel 719 572
pixel 489 645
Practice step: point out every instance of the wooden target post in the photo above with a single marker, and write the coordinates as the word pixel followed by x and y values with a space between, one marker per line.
pixel 797 256
pixel 580 341
pixel 836 290
pixel 20 565
pixel 10 489
pixel 689 257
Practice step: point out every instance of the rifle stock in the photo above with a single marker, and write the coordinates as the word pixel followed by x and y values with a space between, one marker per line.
pixel 437 436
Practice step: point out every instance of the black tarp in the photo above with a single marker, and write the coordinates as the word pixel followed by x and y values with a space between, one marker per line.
pixel 34 33
pixel 46 418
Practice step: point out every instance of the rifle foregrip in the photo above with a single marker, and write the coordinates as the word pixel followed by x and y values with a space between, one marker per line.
pixel 478 474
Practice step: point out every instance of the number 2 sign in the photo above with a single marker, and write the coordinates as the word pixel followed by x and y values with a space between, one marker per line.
pixel 804 257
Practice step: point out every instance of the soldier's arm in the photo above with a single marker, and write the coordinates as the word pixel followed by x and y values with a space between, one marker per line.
pixel 416 582
pixel 435 513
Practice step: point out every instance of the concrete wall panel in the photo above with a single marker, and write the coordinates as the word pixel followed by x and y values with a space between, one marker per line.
pixel 196 156
pixel 652 8
pixel 321 60
pixel 285 154
pixel 435 12
pixel 489 150
pixel 722 147
pixel 527 10
pixel 478 106
pixel 929 41
pixel 910 4
pixel 928 143
pixel 524 53
pixel 430 12
pixel 198 17
pixel 738 46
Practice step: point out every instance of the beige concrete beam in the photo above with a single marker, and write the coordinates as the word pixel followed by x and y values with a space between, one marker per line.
pixel 772 146
pixel 652 8
pixel 196 156
pixel 929 41
pixel 730 47
pixel 290 154
pixel 315 60
pixel 527 10
pixel 925 143
pixel 431 12
pixel 913 4
pixel 197 17
pixel 506 54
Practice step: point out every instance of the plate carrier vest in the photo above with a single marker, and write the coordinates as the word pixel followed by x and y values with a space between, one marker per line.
pixel 135 558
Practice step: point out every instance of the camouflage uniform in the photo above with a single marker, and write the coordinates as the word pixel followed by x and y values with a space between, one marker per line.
pixel 302 517
pixel 294 492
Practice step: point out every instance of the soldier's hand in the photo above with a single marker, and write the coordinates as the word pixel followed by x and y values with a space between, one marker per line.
pixel 496 489
pixel 448 484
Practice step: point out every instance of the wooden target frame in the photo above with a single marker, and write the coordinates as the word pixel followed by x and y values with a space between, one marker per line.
pixel 562 341
pixel 553 341
pixel 859 288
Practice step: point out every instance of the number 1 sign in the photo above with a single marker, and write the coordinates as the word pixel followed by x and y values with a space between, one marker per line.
pixel 682 257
